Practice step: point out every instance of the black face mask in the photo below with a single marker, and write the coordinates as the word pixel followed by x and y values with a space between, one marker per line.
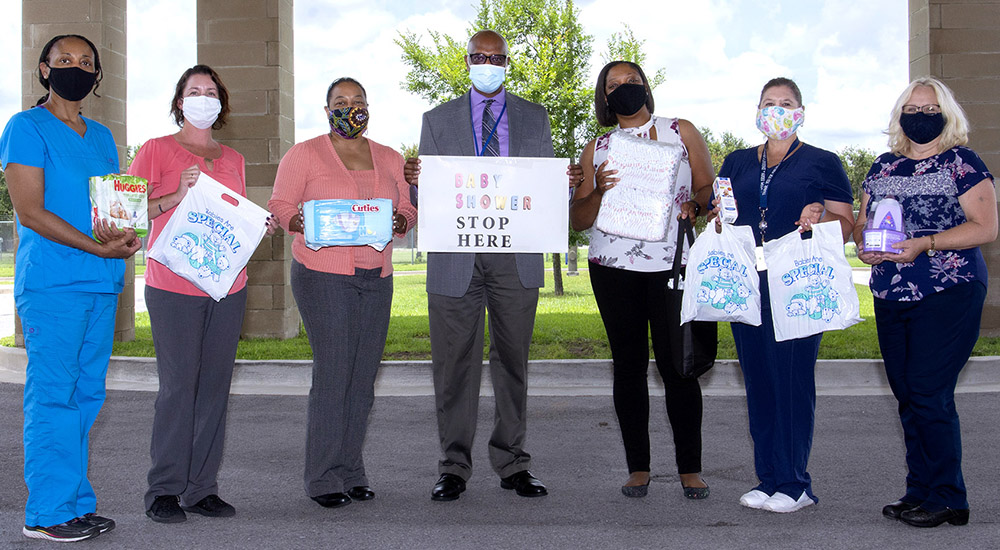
pixel 922 128
pixel 627 99
pixel 71 83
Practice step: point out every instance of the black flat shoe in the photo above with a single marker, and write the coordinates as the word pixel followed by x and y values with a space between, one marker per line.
pixel 361 492
pixel 892 511
pixel 448 487
pixel 918 517
pixel 333 500
pixel 525 484
pixel 212 506
pixel 635 491
pixel 696 493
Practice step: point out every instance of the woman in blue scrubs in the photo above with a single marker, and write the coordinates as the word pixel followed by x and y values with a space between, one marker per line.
pixel 66 286
pixel 779 185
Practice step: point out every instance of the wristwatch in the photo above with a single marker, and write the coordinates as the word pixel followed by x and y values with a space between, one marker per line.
pixel 931 252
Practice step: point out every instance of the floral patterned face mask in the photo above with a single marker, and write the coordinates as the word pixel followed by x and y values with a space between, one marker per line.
pixel 778 122
pixel 350 122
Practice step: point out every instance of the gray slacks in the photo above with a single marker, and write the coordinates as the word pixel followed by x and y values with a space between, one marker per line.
pixel 195 339
pixel 347 319
pixel 456 330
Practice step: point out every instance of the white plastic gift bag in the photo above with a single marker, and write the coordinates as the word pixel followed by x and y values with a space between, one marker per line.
pixel 810 283
pixel 210 237
pixel 721 281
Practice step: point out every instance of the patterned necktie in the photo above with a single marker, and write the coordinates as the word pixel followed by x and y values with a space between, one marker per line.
pixel 491 148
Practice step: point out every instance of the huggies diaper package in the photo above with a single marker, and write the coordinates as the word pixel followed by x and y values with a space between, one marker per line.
pixel 345 222
pixel 121 199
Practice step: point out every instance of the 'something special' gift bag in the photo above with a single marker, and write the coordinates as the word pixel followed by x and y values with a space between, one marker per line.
pixel 810 283
pixel 641 205
pixel 722 283
pixel 210 237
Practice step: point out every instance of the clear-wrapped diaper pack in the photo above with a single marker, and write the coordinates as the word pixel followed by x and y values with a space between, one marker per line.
pixel 346 222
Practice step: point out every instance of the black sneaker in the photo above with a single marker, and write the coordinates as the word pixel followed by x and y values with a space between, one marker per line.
pixel 166 509
pixel 102 523
pixel 213 507
pixel 73 530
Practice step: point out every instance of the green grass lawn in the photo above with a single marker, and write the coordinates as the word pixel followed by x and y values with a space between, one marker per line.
pixel 566 327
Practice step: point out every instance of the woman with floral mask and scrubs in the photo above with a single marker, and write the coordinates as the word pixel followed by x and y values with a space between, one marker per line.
pixel 195 337
pixel 66 286
pixel 781 186
pixel 344 293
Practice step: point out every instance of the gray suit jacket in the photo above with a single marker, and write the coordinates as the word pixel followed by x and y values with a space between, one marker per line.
pixel 447 130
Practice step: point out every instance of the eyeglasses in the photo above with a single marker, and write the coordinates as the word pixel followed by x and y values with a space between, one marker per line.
pixel 929 109
pixel 495 59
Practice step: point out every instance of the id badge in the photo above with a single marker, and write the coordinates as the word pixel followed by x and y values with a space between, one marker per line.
pixel 759 252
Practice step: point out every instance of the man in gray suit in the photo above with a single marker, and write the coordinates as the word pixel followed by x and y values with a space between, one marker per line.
pixel 486 121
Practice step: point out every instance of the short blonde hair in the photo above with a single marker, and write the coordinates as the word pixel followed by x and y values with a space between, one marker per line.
pixel 956 125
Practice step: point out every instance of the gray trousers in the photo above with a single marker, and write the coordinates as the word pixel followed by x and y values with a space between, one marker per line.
pixel 347 319
pixel 195 339
pixel 456 330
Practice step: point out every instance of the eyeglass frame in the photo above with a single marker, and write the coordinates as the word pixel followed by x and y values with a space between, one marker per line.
pixel 920 109
pixel 491 58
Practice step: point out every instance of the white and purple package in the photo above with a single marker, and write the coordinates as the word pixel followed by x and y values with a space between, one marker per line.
pixel 346 222
pixel 884 227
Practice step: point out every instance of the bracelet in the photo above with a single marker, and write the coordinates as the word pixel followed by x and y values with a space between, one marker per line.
pixel 160 206
pixel 932 250
pixel 697 208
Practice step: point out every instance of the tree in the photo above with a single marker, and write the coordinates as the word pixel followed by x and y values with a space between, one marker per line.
pixel 6 207
pixel 720 148
pixel 857 161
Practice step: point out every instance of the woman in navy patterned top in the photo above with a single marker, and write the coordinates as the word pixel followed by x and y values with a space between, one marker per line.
pixel 949 209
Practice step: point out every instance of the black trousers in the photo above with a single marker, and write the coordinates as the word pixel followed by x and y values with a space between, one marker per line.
pixel 633 307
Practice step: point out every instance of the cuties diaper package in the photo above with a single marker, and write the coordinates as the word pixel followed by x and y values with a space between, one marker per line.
pixel 120 199
pixel 345 222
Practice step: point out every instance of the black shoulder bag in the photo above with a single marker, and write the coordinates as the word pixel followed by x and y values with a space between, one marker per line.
pixel 694 344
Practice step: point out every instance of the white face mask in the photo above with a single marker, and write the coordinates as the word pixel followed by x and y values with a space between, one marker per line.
pixel 487 78
pixel 201 110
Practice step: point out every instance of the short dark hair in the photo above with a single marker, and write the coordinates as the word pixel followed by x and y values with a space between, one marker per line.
pixel 340 81
pixel 178 113
pixel 44 58
pixel 605 116
pixel 781 81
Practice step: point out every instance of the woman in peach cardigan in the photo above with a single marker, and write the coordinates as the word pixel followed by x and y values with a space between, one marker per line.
pixel 344 293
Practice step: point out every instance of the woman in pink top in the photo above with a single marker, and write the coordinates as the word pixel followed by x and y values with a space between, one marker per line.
pixel 195 337
pixel 344 293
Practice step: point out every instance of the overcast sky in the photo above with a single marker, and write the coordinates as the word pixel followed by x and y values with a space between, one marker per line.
pixel 848 57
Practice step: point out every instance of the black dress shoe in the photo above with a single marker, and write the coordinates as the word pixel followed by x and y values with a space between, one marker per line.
pixel 166 509
pixel 525 484
pixel 448 487
pixel 333 500
pixel 361 492
pixel 212 506
pixel 892 511
pixel 918 517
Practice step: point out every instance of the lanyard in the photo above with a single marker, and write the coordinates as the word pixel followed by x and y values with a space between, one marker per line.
pixel 766 183
pixel 472 124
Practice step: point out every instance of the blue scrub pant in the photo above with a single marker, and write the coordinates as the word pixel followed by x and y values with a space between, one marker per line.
pixel 924 346
pixel 780 379
pixel 68 337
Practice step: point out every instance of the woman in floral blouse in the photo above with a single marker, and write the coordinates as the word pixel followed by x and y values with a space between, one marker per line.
pixel 629 277
pixel 929 295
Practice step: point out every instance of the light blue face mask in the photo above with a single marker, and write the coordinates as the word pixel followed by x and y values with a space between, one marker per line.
pixel 487 78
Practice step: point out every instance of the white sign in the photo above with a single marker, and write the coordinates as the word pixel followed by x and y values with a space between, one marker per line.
pixel 492 204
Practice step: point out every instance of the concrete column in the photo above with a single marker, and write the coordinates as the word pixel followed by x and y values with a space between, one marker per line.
pixel 956 41
pixel 103 22
pixel 249 42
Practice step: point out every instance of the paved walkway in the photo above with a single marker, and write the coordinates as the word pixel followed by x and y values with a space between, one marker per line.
pixel 857 467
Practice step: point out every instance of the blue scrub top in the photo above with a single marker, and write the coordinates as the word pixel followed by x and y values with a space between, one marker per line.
pixel 809 175
pixel 37 138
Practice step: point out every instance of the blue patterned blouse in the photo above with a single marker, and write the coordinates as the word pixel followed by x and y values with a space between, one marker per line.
pixel 927 191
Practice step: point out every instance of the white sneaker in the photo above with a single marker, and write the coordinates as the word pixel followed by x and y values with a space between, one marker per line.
pixel 783 504
pixel 754 499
